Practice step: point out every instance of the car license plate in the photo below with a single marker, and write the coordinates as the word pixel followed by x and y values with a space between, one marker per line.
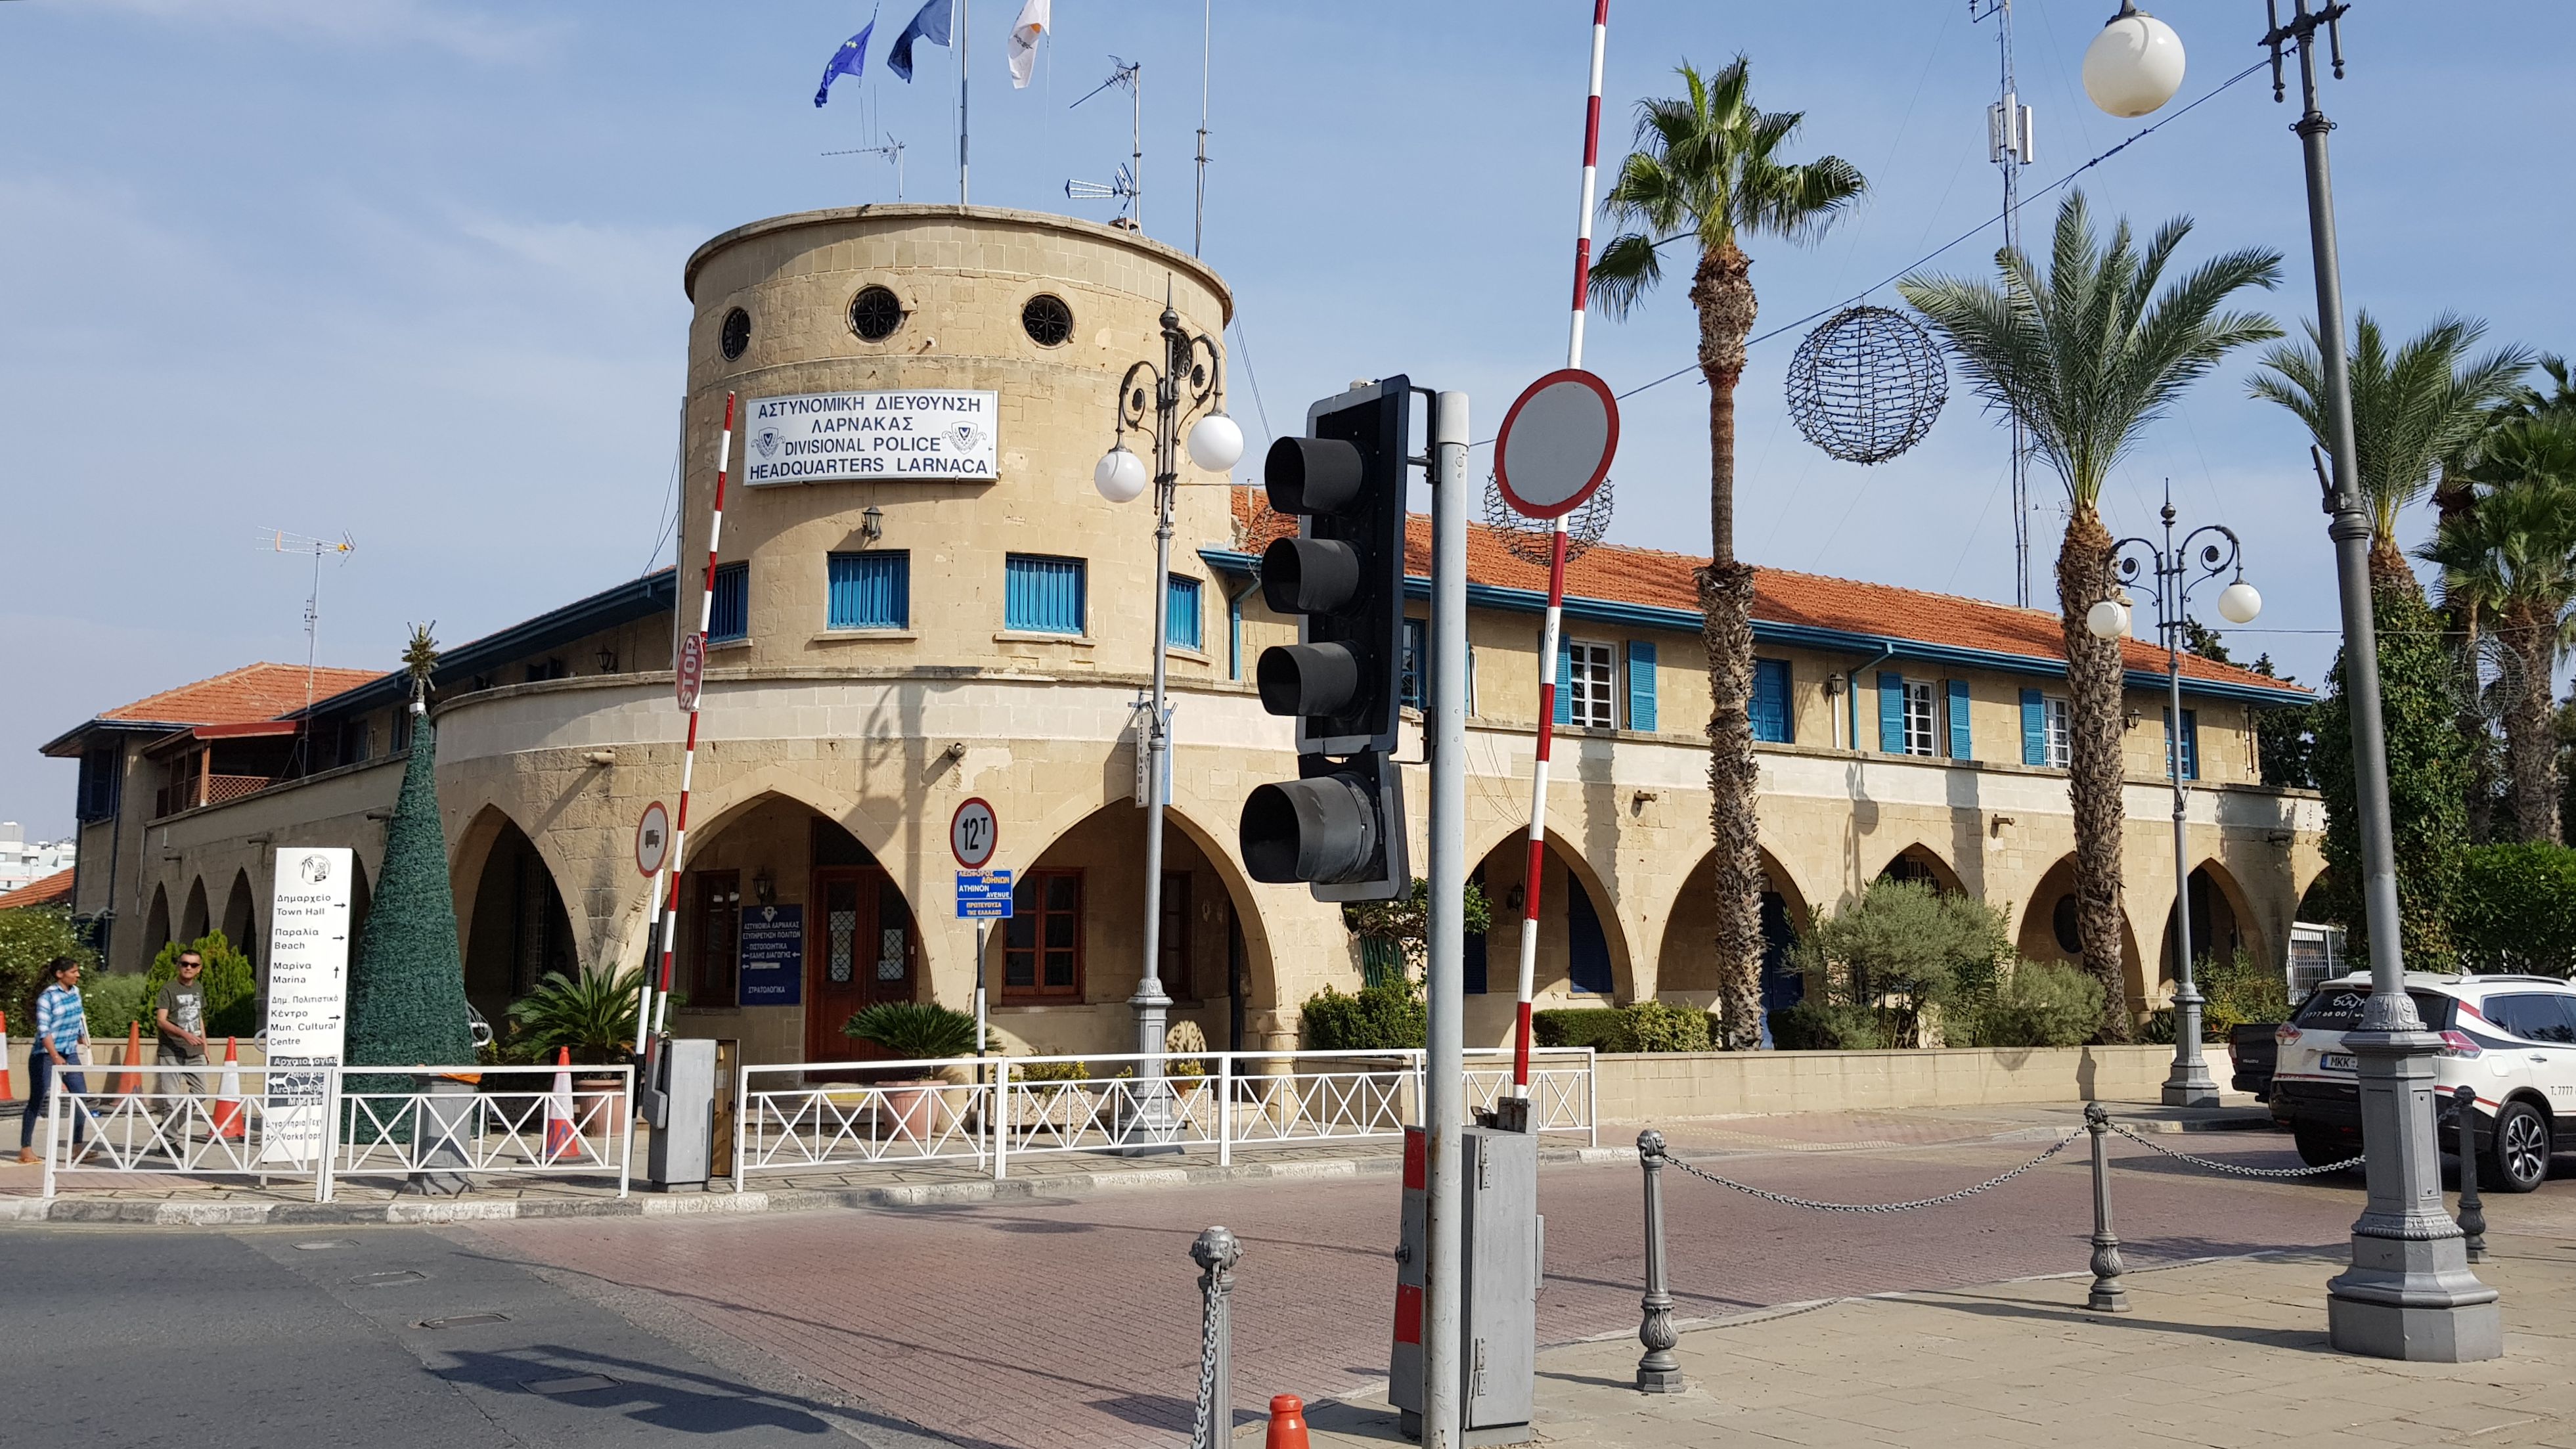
pixel 2337 1062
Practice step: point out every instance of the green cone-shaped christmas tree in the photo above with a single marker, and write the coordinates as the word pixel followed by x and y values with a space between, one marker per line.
pixel 407 982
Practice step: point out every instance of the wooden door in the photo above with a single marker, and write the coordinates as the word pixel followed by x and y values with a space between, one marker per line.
pixel 860 949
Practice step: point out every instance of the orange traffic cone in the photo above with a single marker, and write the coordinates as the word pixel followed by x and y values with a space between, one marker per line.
pixel 228 1104
pixel 1287 1423
pixel 129 1082
pixel 560 1136
pixel 7 1092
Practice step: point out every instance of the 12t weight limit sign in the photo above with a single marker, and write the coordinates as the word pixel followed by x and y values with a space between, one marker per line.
pixel 972 833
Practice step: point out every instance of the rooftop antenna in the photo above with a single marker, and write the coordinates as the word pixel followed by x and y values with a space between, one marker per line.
pixel 1122 186
pixel 278 540
pixel 2009 146
pixel 1129 74
pixel 892 150
pixel 1207 23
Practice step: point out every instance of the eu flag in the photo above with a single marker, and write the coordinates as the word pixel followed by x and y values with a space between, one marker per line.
pixel 849 60
pixel 931 24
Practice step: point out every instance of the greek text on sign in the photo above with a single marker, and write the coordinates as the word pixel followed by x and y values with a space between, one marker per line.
pixel 818 437
pixel 308 995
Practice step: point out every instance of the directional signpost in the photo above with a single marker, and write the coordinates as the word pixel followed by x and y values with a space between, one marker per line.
pixel 982 895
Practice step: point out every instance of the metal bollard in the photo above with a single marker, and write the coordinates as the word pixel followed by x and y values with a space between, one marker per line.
pixel 2473 1213
pixel 1216 1251
pixel 2107 1295
pixel 1659 1371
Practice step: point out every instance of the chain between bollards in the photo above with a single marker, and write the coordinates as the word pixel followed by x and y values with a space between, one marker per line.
pixel 2107 1295
pixel 1659 1371
pixel 2473 1212
pixel 1216 1251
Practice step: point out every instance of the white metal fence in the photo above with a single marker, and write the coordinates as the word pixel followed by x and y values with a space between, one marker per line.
pixel 794 1117
pixel 313 1122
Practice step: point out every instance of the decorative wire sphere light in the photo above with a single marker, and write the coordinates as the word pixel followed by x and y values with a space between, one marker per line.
pixel 1527 538
pixel 1866 385
pixel 2487 678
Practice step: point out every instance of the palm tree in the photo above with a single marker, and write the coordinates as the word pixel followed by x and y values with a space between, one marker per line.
pixel 1707 168
pixel 2511 556
pixel 2413 411
pixel 2086 356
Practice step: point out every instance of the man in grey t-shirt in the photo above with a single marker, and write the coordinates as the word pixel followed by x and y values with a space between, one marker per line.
pixel 180 1018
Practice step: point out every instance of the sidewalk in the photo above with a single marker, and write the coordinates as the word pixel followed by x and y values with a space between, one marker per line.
pixel 2219 1353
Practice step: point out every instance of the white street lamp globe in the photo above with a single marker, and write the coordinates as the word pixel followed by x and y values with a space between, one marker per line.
pixel 2134 65
pixel 2239 603
pixel 1216 443
pixel 1119 475
pixel 2106 620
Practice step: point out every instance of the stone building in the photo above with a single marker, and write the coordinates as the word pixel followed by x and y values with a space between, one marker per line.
pixel 888 645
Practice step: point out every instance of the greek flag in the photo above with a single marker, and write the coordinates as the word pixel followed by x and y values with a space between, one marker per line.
pixel 929 23
pixel 849 60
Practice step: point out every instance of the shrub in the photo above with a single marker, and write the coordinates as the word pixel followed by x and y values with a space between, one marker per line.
pixel 1653 1026
pixel 112 1003
pixel 30 938
pixel 1602 1028
pixel 1385 1017
pixel 232 991
pixel 2516 910
pixel 1819 1026
pixel 914 1030
pixel 2040 1004
pixel 1897 948
pixel 1052 1072
pixel 2241 991
pixel 1405 922
pixel 591 1012
pixel 1185 1041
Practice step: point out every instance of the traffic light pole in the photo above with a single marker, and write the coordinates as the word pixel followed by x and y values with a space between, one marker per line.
pixel 1444 1090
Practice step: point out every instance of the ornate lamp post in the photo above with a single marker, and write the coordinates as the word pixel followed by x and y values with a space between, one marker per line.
pixel 1155 399
pixel 2177 569
pixel 2409 1293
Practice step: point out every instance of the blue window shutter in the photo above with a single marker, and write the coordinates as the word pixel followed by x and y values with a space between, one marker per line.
pixel 1891 714
pixel 1181 614
pixel 1414 688
pixel 1963 745
pixel 1771 701
pixel 730 618
pixel 1641 684
pixel 1042 595
pixel 2034 728
pixel 1564 680
pixel 869 590
pixel 2191 744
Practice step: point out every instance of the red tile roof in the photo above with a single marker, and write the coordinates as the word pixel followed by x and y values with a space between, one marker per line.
pixel 247 695
pixel 44 891
pixel 1617 573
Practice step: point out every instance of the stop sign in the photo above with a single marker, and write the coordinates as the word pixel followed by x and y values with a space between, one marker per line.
pixel 691 675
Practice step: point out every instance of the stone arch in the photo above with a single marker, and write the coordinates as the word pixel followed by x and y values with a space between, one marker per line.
pixel 515 927
pixel 2040 937
pixel 2222 920
pixel 193 917
pixel 156 922
pixel 2316 900
pixel 1216 960
pixel 1921 862
pixel 361 901
pixel 1685 970
pixel 241 918
pixel 1562 927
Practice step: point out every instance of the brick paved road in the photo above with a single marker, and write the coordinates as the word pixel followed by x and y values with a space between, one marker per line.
pixel 1073 1321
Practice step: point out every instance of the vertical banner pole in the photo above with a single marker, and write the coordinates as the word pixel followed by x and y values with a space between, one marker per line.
pixel 1551 632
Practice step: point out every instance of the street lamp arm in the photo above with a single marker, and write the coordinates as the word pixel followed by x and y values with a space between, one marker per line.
pixel 1135 404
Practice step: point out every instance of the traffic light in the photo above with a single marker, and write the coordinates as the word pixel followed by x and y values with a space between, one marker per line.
pixel 1340 825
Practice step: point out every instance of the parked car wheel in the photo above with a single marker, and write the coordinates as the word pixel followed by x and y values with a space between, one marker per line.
pixel 2321 1147
pixel 2517 1157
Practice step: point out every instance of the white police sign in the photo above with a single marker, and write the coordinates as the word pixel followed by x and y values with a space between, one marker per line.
pixel 822 437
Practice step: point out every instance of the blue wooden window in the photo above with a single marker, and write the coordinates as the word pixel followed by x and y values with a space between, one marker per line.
pixel 870 590
pixel 1042 595
pixel 2190 744
pixel 1641 684
pixel 731 616
pixel 1891 714
pixel 2034 728
pixel 1417 663
pixel 1771 702
pixel 1587 946
pixel 1564 680
pixel 1962 744
pixel 1181 613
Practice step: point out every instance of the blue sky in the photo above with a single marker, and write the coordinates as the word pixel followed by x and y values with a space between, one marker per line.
pixel 410 270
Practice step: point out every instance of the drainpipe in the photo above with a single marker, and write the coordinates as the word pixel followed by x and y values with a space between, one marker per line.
pixel 1851 686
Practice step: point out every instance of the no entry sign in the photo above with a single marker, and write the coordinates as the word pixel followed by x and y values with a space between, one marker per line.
pixel 1557 443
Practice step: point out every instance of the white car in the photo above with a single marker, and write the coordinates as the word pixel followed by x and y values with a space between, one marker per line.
pixel 2512 1038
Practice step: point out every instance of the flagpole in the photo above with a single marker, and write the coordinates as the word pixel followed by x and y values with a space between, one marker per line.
pixel 964 33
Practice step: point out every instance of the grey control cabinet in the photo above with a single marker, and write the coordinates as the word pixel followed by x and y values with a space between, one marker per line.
pixel 682 1109
pixel 1503 1244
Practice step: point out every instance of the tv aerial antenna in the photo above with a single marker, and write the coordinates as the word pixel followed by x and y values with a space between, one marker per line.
pixel 1129 185
pixel 892 150
pixel 278 540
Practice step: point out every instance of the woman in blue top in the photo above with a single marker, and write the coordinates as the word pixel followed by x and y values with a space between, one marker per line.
pixel 62 1030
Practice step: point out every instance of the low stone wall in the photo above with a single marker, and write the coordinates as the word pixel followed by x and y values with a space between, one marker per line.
pixel 1656 1086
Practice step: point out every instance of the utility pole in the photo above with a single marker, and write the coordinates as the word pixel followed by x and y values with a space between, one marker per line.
pixel 2009 146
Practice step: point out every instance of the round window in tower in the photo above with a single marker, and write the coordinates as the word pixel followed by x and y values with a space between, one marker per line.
pixel 1048 321
pixel 875 314
pixel 736 335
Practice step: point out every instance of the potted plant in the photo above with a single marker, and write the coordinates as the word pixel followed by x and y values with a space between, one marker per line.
pixel 1187 1071
pixel 590 1013
pixel 914 1030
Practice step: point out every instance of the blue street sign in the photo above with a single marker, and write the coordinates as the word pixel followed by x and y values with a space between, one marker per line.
pixel 983 895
